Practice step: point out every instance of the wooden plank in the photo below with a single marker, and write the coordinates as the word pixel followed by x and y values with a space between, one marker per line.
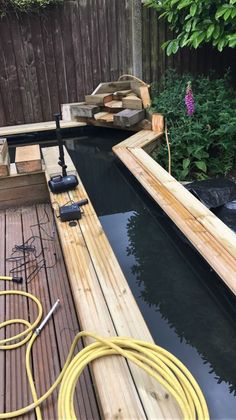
pixel 145 96
pixel 129 117
pixel 104 116
pixel 5 167
pixel 158 122
pixel 98 99
pixel 106 304
pixel 111 87
pixel 83 110
pixel 3 150
pixel 50 155
pixel 28 159
pixel 20 180
pixel 114 105
pixel 35 127
pixel 66 111
pixel 58 287
pixel 19 189
pixel 132 102
pixel 186 215
pixel 120 94
pixel 213 224
pixel 17 390
pixel 2 311
pixel 139 139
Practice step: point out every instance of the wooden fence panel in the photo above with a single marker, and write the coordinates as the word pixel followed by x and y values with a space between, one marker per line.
pixel 60 55
pixel 63 53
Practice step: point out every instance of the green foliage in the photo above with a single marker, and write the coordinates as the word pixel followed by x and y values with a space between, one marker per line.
pixel 198 21
pixel 25 5
pixel 203 145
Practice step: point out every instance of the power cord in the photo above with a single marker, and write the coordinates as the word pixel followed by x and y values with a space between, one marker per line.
pixel 27 248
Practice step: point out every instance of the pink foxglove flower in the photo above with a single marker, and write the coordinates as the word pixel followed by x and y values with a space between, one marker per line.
pixel 189 100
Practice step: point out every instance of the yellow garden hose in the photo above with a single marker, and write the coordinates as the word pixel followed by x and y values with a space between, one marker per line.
pixel 155 360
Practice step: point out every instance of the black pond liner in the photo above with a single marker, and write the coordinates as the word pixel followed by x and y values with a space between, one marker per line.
pixel 218 195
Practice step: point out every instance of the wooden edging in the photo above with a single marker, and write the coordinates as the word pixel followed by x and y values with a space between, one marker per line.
pixel 105 305
pixel 210 236
pixel 36 127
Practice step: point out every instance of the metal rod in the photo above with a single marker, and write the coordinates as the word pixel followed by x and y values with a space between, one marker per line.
pixel 61 161
pixel 46 319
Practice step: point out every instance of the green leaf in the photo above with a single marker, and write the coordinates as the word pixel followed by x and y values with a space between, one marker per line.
pixel 188 26
pixel 193 9
pixel 169 49
pixel 227 15
pixel 216 32
pixel 172 47
pixel 186 163
pixel 210 30
pixel 221 44
pixel 201 165
pixel 184 3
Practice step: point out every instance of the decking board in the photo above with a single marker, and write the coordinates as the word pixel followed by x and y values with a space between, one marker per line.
pixel 13 130
pixel 106 306
pixel 51 348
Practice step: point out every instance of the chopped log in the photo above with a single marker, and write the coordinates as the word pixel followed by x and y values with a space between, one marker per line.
pixel 67 111
pixel 132 102
pixel 128 117
pixel 157 123
pixel 99 99
pixel 145 96
pixel 28 159
pixel 111 87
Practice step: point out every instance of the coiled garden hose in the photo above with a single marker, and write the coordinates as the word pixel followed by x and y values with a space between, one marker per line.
pixel 155 360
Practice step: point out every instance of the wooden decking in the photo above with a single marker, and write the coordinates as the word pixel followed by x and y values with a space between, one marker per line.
pixel 106 306
pixel 51 348
pixel 211 237
pixel 36 127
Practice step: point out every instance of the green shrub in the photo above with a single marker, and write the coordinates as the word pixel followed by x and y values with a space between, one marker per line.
pixel 203 145
pixel 25 5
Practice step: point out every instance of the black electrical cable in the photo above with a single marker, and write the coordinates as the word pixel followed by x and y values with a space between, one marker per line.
pixel 27 248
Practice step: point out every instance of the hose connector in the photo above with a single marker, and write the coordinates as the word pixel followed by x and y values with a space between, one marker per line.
pixel 46 319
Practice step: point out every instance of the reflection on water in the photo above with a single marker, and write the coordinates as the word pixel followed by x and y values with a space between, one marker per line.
pixel 187 309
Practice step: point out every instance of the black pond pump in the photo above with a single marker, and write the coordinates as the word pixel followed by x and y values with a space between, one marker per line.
pixel 64 182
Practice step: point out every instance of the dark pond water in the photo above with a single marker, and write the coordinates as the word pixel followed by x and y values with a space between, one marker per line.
pixel 186 306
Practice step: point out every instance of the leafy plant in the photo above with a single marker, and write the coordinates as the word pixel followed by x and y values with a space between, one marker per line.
pixel 25 5
pixel 203 144
pixel 198 21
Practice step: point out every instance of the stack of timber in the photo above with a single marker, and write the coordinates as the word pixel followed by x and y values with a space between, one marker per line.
pixel 4 158
pixel 120 104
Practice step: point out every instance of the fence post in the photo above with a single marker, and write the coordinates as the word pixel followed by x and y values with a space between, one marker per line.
pixel 137 37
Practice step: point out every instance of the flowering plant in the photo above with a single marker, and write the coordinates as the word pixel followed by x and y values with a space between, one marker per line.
pixel 204 145
pixel 189 100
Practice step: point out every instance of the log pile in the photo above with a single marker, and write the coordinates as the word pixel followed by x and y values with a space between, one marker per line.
pixel 122 104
